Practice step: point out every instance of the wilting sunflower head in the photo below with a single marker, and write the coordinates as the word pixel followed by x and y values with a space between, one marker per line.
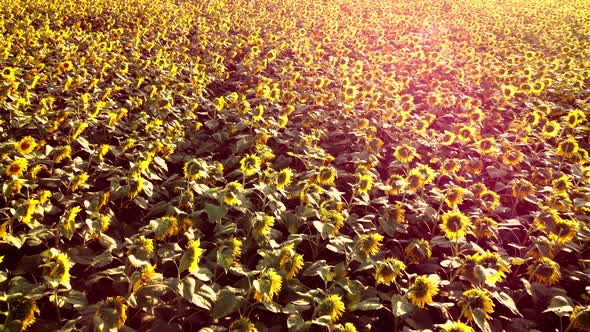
pixel 111 313
pixel 547 218
pixel 250 165
pixel 485 228
pixel 387 270
pixel 310 191
pixel 232 192
pixel 545 271
pixel 563 230
pixel 450 166
pixel 242 324
pixel 476 300
pixel 489 199
pixel 454 196
pixel 455 225
pixel 487 146
pixel 492 260
pixel 405 153
pixel 332 220
pixel 283 178
pixel 522 188
pixel 326 175
pixel 450 326
pixel 267 285
pixel 369 244
pixel 422 290
pixel 580 317
pixel 418 250
pixel 331 306
pixel 512 157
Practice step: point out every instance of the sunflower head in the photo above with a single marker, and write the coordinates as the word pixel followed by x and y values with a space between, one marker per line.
pixel 485 228
pixel 331 306
pixel 387 270
pixel 267 285
pixel 455 224
pixel 283 178
pixel 405 153
pixel 418 250
pixel 450 326
pixel 492 260
pixel 545 271
pixel 580 318
pixel 369 244
pixel 232 192
pixel 551 129
pixel 512 157
pixel 476 300
pixel 250 165
pixel 364 183
pixel 26 145
pixel 422 290
pixel 242 324
pixel 454 196
pixel 568 148
pixel 332 220
pixel 17 167
pixel 326 175
pixel 522 188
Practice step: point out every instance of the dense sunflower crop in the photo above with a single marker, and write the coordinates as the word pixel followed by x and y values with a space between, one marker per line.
pixel 271 165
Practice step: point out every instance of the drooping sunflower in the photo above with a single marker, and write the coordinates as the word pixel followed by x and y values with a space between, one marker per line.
pixel 450 326
pixel 580 317
pixel 332 220
pixel 422 290
pixel 310 191
pixel 291 265
pixel 397 184
pixel 387 270
pixel 546 218
pixel 232 193
pixel 522 188
pixel 331 306
pixel 560 202
pixel 405 153
pixel 25 311
pixel 447 138
pixel 191 257
pixel 485 228
pixel 17 167
pixel 242 324
pixel 450 166
pixel 283 178
pixel 545 271
pixel 455 224
pixel 326 175
pixel 476 300
pixel 568 148
pixel 492 260
pixel 195 169
pixel 563 230
pixel 369 244
pixel 454 196
pixel 26 145
pixel 414 180
pixel 562 184
pixel 267 285
pixel 61 268
pixel 261 225
pixel 418 250
pixel 112 312
pixel 489 199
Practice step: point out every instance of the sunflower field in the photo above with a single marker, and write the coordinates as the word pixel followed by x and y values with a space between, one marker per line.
pixel 269 165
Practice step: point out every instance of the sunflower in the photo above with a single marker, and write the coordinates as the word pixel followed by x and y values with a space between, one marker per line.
pixel 455 224
pixel 522 188
pixel 478 188
pixel 112 312
pixel 568 148
pixel 454 196
pixel 545 271
pixel 309 192
pixel 250 165
pixel 232 193
pixel 476 300
pixel 580 318
pixel 17 167
pixel 191 257
pixel 466 134
pixel 421 291
pixel 257 113
pixel 560 202
pixel 405 153
pixel 26 145
pixel 147 275
pixel 326 175
pixel 66 65
pixel 575 118
pixel 487 146
pixel 508 91
pixel 387 270
pixel 262 225
pixel 331 306
pixel 447 138
pixel 485 228
pixel 489 199
pixel 418 250
pixel 61 268
pixel 397 184
pixel 551 129
pixel 135 187
pixel 428 173
pixel 332 220
pixel 8 73
pixel 369 244
pixel 414 180
pixel 450 326
pixel 291 265
pixel 195 169
pixel 283 178
pixel 243 324
pixel 512 157
pixel 492 260
pixel 25 311
pixel 395 213
pixel 562 184
pixel 563 230
pixel 450 166
pixel 267 285
pixel 364 183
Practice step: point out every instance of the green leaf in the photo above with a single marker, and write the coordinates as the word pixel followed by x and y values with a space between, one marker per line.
pixel 227 302
pixel 507 301
pixel 372 303
pixel 295 322
pixel 400 305
pixel 479 316
pixel 214 212
pixel 560 305
pixel 202 296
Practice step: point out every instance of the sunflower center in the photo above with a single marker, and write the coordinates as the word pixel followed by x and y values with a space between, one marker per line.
pixel 568 147
pixel 14 168
pixel 454 223
pixel 420 289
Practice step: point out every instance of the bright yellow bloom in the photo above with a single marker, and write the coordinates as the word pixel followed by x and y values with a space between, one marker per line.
pixel 418 250
pixel 331 306
pixel 568 148
pixel 262 225
pixel 454 196
pixel 250 165
pixel 580 318
pixel 283 178
pixel 421 291
pixel 26 145
pixel 61 268
pixel 267 285
pixel 31 207
pixel 326 175
pixel 522 188
pixel 365 183
pixel 455 224
pixel 369 244
pixel 551 129
pixel 450 326
pixel 17 167
pixel 492 260
pixel 79 181
pixel 191 257
pixel 243 324
pixel 405 153
pixel 232 192
pixel 475 299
